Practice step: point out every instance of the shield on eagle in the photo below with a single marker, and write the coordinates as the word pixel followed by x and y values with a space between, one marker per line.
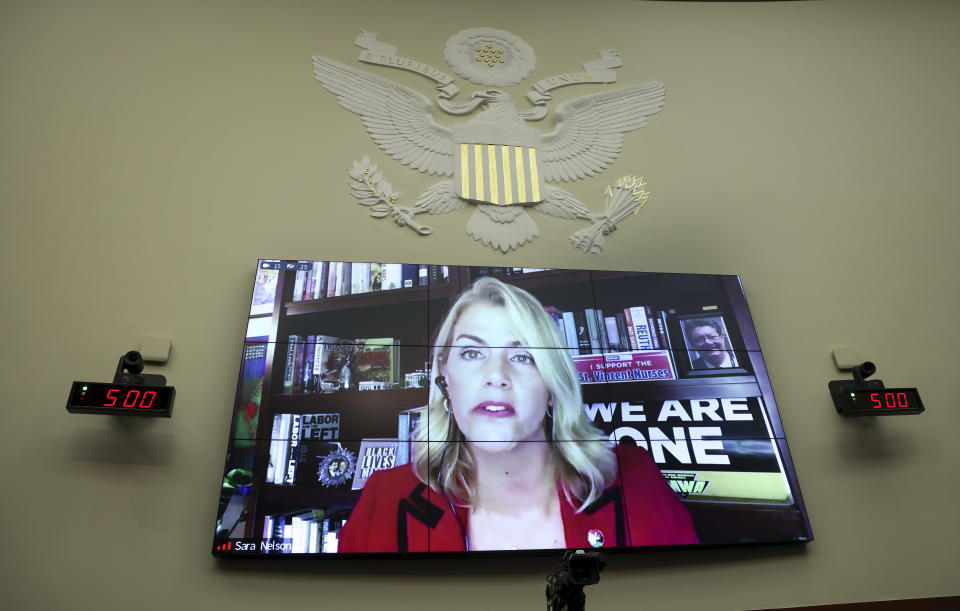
pixel 497 164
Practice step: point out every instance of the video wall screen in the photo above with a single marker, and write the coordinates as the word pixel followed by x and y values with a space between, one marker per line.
pixel 410 408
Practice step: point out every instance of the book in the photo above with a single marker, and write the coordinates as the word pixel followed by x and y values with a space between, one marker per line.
pixel 570 333
pixel 275 435
pixel 640 327
pixel 593 331
pixel 276 527
pixel 314 537
pixel 323 427
pixel 309 349
pixel 376 361
pixel 321 289
pixel 300 523
pixel 602 331
pixel 329 532
pixel 392 276
pixel 557 316
pixel 333 277
pixel 339 363
pixel 410 274
pixel 666 327
pixel 292 450
pixel 628 317
pixel 613 334
pixel 298 365
pixel 583 334
pixel 311 277
pixel 320 356
pixel 319 272
pixel 376 277
pixel 357 275
pixel 622 331
pixel 346 279
pixel 289 372
pixel 374 455
pixel 279 445
pixel 298 284
pixel 654 337
pixel 407 423
pixel 423 275
pixel 662 330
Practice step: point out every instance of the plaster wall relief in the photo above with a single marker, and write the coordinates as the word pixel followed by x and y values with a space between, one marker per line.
pixel 494 162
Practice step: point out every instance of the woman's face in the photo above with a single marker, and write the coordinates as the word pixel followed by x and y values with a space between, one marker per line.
pixel 497 394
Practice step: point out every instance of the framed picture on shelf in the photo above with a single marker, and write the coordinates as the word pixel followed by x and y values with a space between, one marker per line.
pixel 708 348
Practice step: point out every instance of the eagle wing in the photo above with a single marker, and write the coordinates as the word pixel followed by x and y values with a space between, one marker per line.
pixel 397 118
pixel 589 133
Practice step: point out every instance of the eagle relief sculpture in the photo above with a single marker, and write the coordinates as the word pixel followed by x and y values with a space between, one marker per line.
pixel 497 163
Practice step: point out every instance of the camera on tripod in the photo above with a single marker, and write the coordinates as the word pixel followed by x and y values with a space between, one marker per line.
pixel 577 568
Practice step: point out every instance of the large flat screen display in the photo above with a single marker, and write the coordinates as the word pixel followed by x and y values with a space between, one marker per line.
pixel 390 408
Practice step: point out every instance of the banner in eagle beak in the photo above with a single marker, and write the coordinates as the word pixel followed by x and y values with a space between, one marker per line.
pixel 497 165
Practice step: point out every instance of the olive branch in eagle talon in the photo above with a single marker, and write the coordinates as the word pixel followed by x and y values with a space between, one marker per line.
pixel 621 199
pixel 371 188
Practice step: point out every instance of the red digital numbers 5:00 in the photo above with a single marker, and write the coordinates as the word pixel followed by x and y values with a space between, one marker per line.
pixel 890 399
pixel 131 398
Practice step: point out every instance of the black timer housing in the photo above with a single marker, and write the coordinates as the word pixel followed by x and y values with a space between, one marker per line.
pixel 132 393
pixel 862 397
pixel 121 399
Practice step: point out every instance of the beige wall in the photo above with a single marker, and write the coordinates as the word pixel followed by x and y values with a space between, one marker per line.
pixel 150 152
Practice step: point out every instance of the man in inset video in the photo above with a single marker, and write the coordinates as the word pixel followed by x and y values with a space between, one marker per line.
pixel 707 338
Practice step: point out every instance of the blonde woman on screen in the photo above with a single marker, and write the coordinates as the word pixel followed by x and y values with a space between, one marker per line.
pixel 505 457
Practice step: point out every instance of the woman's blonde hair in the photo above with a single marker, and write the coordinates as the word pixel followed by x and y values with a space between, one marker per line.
pixel 583 458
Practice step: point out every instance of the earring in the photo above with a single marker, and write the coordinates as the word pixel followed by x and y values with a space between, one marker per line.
pixel 441 383
pixel 549 410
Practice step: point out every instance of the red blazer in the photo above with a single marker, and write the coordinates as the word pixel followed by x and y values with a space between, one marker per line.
pixel 399 513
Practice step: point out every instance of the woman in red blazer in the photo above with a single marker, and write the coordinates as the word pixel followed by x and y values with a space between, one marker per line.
pixel 505 457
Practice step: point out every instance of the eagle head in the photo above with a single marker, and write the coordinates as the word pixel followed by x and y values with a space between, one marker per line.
pixel 490 95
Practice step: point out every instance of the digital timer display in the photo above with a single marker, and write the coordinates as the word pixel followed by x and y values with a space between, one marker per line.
pixel 883 402
pixel 122 399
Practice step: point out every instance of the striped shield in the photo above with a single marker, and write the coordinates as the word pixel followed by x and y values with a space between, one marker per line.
pixel 503 173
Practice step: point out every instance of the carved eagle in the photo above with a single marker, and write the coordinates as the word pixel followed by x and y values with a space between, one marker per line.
pixel 497 161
